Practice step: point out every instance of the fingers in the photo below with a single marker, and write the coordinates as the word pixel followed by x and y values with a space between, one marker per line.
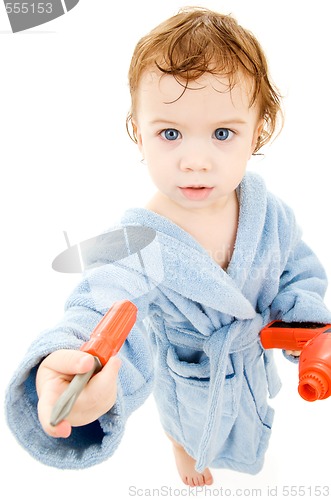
pixel 97 397
pixel 61 430
pixel 293 353
pixel 53 376
pixel 48 395
pixel 68 361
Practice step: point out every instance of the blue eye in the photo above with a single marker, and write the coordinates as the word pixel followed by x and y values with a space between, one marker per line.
pixel 222 134
pixel 171 134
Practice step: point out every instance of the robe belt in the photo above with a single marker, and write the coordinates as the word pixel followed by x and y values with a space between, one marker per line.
pixel 229 339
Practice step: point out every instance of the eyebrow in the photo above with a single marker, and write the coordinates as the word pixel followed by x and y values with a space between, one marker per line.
pixel 231 121
pixel 157 120
pixel 234 121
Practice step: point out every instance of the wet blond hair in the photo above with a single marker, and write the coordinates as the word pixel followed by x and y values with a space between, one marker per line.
pixel 196 41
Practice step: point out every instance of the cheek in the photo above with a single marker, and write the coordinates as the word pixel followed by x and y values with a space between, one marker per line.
pixel 140 142
pixel 149 155
pixel 144 142
pixel 238 153
pixel 155 154
pixel 159 177
pixel 248 146
pixel 156 165
pixel 234 165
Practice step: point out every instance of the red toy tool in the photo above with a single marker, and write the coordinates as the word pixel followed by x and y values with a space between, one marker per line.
pixel 106 340
pixel 314 342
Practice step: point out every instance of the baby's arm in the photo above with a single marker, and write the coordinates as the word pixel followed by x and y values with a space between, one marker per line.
pixel 92 442
pixel 302 288
pixel 303 282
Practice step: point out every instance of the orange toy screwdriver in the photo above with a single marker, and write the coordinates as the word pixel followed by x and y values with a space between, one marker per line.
pixel 106 340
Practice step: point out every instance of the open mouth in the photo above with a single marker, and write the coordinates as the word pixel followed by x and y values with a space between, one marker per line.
pixel 196 192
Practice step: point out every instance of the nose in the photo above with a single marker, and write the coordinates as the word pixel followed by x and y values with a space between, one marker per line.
pixel 195 158
pixel 194 166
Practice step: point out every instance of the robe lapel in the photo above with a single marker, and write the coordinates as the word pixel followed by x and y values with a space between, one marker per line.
pixel 190 272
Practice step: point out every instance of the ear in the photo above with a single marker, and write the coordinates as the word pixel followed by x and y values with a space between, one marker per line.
pixel 257 133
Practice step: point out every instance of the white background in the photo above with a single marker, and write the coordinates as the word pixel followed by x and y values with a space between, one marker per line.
pixel 68 165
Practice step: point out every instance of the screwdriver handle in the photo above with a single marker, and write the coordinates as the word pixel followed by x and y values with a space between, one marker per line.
pixel 110 333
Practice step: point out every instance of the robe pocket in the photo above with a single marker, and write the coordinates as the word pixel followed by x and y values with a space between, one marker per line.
pixel 192 381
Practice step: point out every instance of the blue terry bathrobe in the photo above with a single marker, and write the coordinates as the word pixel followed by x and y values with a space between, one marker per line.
pixel 196 340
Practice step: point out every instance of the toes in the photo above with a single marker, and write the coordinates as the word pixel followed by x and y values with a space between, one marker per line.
pixel 200 480
pixel 208 479
pixel 190 482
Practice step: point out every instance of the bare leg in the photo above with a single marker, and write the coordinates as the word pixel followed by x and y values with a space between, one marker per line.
pixel 186 467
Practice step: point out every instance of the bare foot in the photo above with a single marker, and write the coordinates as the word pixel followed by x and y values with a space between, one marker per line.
pixel 186 468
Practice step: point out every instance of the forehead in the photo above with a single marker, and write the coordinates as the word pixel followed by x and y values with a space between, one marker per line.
pixel 210 94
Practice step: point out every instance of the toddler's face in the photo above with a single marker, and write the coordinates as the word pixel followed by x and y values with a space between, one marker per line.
pixel 197 143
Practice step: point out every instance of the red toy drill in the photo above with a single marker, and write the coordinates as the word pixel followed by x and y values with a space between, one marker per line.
pixel 314 342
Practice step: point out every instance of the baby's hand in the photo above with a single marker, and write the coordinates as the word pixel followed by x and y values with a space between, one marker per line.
pixel 53 377
pixel 293 353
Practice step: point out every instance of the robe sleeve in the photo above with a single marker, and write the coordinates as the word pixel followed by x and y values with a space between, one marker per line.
pixel 302 288
pixel 303 282
pixel 93 443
